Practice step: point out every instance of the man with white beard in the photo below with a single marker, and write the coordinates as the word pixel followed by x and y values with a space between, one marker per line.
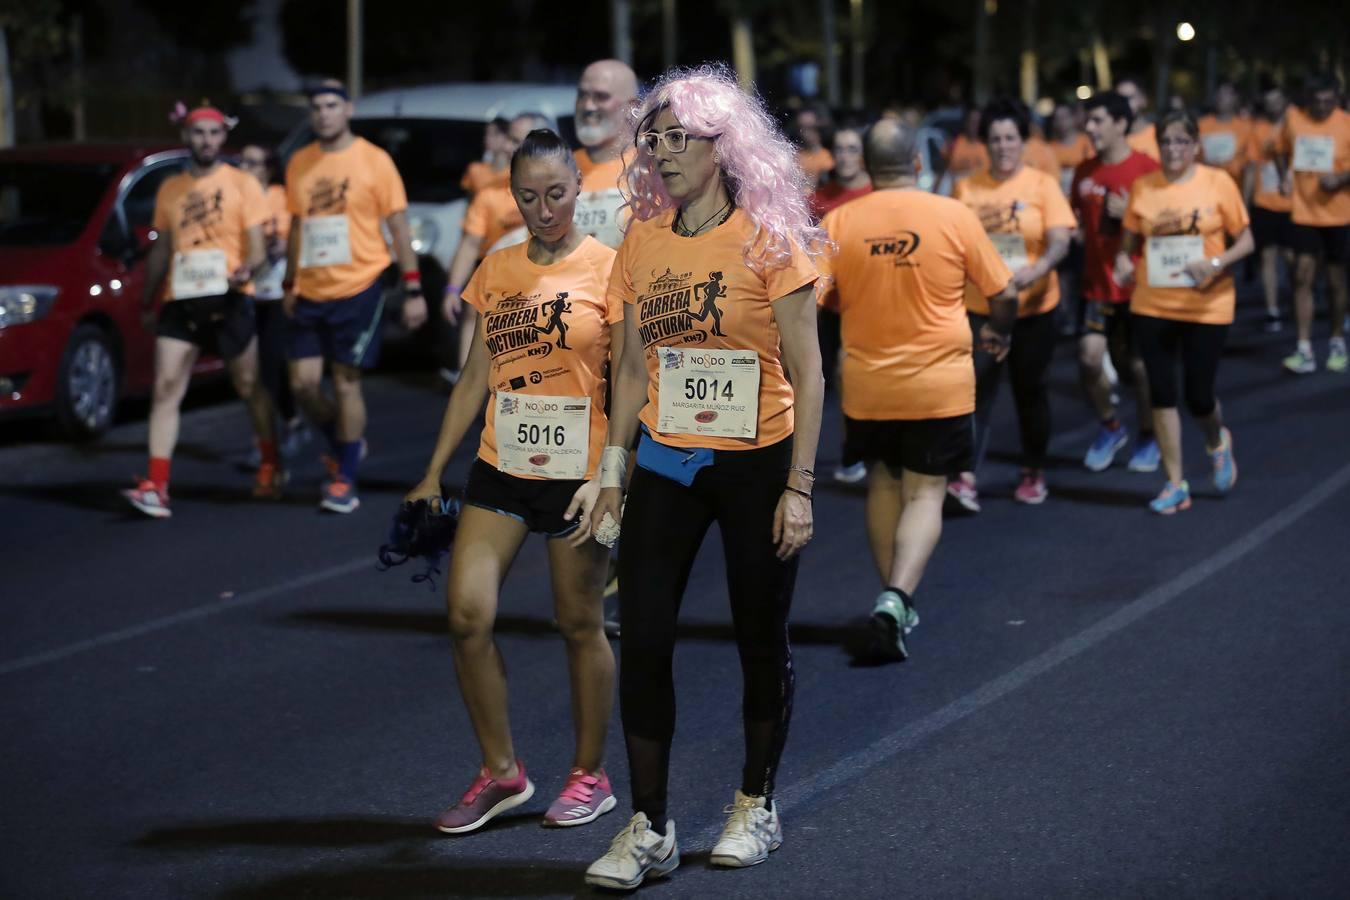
pixel 606 93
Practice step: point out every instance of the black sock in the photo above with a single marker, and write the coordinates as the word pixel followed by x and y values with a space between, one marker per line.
pixel 906 598
pixel 658 823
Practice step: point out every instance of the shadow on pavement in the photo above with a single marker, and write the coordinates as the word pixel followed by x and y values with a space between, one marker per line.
pixel 104 497
pixel 1101 496
pixel 482 878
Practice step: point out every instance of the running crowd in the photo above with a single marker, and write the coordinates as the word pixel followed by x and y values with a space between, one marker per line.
pixel 642 326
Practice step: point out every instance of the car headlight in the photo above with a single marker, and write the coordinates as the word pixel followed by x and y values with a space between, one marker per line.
pixel 23 303
pixel 424 234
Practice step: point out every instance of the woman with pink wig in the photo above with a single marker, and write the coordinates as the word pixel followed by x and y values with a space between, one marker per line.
pixel 721 372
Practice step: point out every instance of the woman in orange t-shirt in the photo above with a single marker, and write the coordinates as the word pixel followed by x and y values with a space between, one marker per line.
pixel 1028 218
pixel 539 359
pixel 1192 226
pixel 722 369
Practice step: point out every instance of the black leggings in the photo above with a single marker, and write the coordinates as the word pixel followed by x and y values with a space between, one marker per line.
pixel 664 524
pixel 272 365
pixel 1157 341
pixel 1028 362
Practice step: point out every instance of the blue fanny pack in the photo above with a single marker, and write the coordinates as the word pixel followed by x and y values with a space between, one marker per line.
pixel 679 464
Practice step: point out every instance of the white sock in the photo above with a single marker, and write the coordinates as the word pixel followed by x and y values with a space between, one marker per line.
pixel 1305 347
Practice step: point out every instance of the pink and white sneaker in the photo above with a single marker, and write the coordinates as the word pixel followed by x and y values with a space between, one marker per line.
pixel 1031 489
pixel 586 797
pixel 485 799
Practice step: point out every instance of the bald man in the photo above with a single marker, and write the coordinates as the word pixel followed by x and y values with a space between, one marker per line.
pixel 908 387
pixel 606 93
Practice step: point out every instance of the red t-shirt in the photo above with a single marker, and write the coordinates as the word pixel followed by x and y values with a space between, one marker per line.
pixel 1092 181
pixel 830 195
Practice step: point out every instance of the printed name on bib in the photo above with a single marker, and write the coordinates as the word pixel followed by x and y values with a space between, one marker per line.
pixel 708 392
pixel 325 241
pixel 1013 249
pixel 1315 153
pixel 547 437
pixel 199 273
pixel 1270 178
pixel 1168 257
pixel 1220 147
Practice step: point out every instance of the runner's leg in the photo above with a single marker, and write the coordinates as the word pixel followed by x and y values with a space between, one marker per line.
pixel 919 529
pixel 174 360
pixel 578 575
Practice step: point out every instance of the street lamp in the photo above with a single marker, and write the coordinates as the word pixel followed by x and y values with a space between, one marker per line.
pixel 1185 32
pixel 1084 92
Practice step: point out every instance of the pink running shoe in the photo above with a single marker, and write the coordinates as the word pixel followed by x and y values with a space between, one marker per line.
pixel 586 797
pixel 962 493
pixel 1031 489
pixel 485 799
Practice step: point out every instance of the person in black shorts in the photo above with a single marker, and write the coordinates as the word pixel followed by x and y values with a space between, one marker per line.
pixel 209 218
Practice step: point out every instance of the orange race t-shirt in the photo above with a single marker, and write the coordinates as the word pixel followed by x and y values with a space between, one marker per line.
pixel 1207 205
pixel 966 157
pixel 1039 155
pixel 815 163
pixel 479 175
pixel 697 293
pixel 341 199
pixel 547 332
pixel 210 212
pixel 1313 148
pixel 1262 148
pixel 492 214
pixel 278 223
pixel 899 281
pixel 1017 214
pixel 1145 141
pixel 1224 144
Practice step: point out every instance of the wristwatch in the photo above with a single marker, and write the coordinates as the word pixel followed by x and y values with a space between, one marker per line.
pixel 1216 263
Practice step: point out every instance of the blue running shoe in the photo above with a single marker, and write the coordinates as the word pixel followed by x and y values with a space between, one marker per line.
pixel 1104 449
pixel 1146 456
pixel 1225 466
pixel 1172 499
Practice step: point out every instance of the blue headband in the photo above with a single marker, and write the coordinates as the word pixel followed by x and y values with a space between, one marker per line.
pixel 328 89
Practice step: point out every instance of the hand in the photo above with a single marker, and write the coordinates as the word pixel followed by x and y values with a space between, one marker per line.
pixel 583 501
pixel 451 306
pixel 1201 272
pixel 414 311
pixel 793 524
pixel 1026 276
pixel 609 500
pixel 424 490
pixel 1124 270
pixel 288 302
pixel 1330 182
pixel 1116 204
pixel 993 343
pixel 240 277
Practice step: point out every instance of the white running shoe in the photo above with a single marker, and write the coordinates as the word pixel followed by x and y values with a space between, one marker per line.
pixel 635 854
pixel 753 831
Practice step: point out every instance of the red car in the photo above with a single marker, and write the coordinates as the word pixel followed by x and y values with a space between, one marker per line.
pixel 74 230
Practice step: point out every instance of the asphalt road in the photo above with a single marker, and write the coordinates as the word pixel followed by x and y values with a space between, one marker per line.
pixel 1101 702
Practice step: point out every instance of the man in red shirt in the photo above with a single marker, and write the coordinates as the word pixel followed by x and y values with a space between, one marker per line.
pixel 1099 195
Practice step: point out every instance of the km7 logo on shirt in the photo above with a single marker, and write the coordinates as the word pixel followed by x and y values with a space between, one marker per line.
pixel 900 247
pixel 670 307
pixel 328 197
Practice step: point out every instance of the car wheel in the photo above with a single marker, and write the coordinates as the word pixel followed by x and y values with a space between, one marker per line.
pixel 86 391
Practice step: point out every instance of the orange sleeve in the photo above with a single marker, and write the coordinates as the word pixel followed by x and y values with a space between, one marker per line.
pixel 984 267
pixel 614 307
pixel 163 218
pixel 1131 222
pixel 465 181
pixel 621 288
pixel 473 291
pixel 392 196
pixel 476 217
pixel 1284 139
pixel 257 211
pixel 799 271
pixel 959 191
pixel 1058 214
pixel 295 204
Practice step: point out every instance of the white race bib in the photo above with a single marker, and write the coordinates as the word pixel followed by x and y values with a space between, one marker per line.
pixel 597 214
pixel 708 392
pixel 1066 179
pixel 1220 147
pixel 1270 178
pixel 1315 153
pixel 548 437
pixel 1169 256
pixel 324 242
pixel 267 285
pixel 199 273
pixel 1013 249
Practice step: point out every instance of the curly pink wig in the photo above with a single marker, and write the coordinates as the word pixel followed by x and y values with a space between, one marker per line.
pixel 759 165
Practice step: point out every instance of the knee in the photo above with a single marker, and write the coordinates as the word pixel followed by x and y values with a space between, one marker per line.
pixel 1090 357
pixel 304 385
pixel 246 384
pixel 469 621
pixel 346 382
pixel 581 625
pixel 169 387
pixel 1305 270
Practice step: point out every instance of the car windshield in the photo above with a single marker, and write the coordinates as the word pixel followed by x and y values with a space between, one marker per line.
pixel 49 202
pixel 431 154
